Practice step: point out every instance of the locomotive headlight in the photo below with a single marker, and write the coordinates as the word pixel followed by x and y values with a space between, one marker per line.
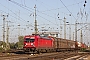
pixel 25 44
pixel 32 44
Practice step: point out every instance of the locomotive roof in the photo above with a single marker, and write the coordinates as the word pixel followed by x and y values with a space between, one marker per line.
pixel 44 37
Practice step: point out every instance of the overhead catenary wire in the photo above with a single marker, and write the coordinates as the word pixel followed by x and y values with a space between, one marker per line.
pixel 68 10
pixel 30 8
pixel 21 5
pixel 63 7
pixel 43 13
pixel 25 7
pixel 22 20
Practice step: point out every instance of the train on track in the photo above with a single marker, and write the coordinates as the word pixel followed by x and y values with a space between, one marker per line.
pixel 37 43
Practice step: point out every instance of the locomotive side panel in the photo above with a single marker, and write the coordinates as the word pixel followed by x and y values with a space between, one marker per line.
pixel 44 43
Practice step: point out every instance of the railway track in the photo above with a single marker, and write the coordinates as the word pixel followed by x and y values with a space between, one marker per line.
pixel 45 56
pixel 82 56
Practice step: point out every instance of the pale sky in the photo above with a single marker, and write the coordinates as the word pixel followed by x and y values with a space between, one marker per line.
pixel 21 12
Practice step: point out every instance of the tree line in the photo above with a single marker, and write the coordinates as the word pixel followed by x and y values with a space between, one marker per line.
pixel 17 45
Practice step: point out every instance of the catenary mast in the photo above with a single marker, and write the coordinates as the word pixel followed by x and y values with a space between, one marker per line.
pixel 35 22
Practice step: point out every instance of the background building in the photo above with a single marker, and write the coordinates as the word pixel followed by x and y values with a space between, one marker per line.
pixel 53 34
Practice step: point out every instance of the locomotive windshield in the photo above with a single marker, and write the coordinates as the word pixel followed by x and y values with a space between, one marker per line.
pixel 29 40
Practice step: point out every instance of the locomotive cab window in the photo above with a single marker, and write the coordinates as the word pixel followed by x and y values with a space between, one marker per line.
pixel 29 40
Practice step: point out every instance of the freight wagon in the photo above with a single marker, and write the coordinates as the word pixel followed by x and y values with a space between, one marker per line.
pixel 63 44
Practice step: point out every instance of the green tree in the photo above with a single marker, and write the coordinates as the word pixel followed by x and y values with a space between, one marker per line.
pixel 1 43
pixel 20 43
pixel 12 45
pixel 2 46
pixel 16 45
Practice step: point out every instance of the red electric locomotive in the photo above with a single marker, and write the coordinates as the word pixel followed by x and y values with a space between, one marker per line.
pixel 37 43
